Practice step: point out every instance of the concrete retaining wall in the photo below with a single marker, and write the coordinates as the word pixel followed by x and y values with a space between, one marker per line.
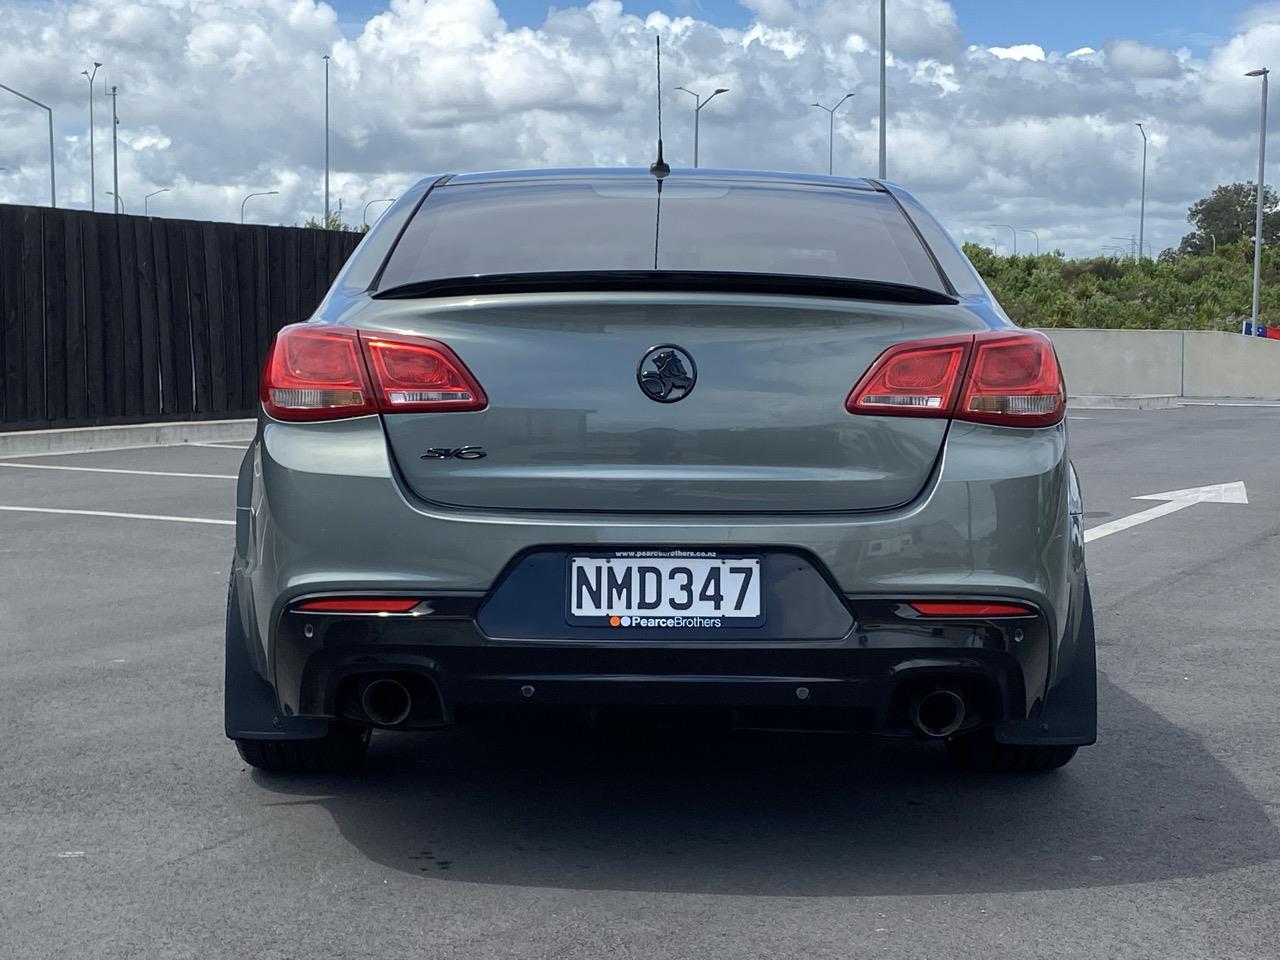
pixel 1184 363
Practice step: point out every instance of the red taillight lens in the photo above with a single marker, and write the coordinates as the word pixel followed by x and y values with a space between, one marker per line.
pixel 970 609
pixel 359 604
pixel 1009 379
pixel 917 379
pixel 1015 381
pixel 318 372
pixel 413 375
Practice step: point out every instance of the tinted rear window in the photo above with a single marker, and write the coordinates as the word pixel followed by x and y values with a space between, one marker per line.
pixel 479 229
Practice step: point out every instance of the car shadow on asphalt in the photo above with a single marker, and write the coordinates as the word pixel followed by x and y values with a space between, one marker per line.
pixel 791 814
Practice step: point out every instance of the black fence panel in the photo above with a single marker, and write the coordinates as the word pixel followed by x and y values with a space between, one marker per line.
pixel 119 319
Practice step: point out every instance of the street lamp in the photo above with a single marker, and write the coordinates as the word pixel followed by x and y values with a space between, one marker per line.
pixel 699 103
pixel 1036 235
pixel 93 186
pixel 260 193
pixel 1262 180
pixel 883 130
pixel 364 218
pixel 1133 251
pixel 1142 209
pixel 153 193
pixel 326 141
pixel 831 131
pixel 53 187
pixel 115 155
pixel 119 203
pixel 1006 226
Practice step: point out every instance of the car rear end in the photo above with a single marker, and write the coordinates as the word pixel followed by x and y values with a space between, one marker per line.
pixel 727 445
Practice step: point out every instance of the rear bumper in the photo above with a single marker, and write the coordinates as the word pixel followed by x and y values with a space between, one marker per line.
pixel 993 522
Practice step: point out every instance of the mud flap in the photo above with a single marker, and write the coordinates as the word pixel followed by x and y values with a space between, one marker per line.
pixel 250 708
pixel 1069 716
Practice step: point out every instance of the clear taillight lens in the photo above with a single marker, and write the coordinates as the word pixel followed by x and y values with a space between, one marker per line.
pixel 1009 379
pixel 318 372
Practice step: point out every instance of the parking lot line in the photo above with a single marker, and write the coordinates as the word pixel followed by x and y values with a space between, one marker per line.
pixel 141 473
pixel 119 516
pixel 221 446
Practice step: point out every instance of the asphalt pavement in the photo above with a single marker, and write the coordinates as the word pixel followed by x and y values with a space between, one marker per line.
pixel 130 828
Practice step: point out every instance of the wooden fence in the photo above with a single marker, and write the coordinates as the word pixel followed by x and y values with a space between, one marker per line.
pixel 120 319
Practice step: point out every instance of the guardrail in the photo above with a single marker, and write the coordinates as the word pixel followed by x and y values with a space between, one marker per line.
pixel 108 319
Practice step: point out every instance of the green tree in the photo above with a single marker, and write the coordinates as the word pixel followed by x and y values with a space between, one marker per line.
pixel 333 222
pixel 1227 215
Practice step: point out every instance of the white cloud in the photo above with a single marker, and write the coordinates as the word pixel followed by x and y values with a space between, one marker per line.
pixel 1020 51
pixel 223 97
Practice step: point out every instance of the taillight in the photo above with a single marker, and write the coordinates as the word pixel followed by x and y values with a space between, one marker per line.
pixel 916 379
pixel 1009 379
pixel 412 375
pixel 318 372
pixel 1014 381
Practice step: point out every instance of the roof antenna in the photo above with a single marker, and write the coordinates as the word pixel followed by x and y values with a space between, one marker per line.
pixel 659 168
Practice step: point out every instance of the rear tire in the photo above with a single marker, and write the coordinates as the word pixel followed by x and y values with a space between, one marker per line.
pixel 980 752
pixel 341 749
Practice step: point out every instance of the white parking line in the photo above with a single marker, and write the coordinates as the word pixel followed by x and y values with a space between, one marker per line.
pixel 140 473
pixel 119 516
pixel 219 446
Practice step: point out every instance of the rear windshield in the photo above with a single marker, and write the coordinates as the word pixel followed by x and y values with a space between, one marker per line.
pixel 479 229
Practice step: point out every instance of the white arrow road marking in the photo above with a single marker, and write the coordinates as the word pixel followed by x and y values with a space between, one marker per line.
pixel 1174 501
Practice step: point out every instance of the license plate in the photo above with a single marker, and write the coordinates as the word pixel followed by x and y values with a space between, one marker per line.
pixel 665 591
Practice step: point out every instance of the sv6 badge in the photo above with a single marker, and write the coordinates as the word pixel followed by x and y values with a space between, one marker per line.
pixel 454 453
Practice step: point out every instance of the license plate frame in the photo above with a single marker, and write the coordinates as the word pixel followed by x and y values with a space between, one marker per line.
pixel 631 617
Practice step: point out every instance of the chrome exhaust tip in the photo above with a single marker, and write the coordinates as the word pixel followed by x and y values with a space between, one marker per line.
pixel 938 713
pixel 386 702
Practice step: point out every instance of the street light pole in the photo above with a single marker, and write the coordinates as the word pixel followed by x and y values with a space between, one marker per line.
pixel 119 203
pixel 260 193
pixel 326 141
pixel 93 185
pixel 1142 209
pixel 115 156
pixel 364 217
pixel 883 131
pixel 1012 231
pixel 153 193
pixel 53 186
pixel 831 131
pixel 1037 236
pixel 699 103
pixel 1262 189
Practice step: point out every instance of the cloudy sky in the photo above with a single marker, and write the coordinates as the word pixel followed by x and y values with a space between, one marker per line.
pixel 1000 111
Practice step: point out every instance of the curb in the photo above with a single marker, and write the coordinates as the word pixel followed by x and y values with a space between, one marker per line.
pixel 1146 401
pixel 26 443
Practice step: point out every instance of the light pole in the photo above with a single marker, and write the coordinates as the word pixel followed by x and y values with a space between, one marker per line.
pixel 119 202
pixel 53 186
pixel 1142 209
pixel 153 193
pixel 699 103
pixel 831 131
pixel 1262 189
pixel 883 131
pixel 364 218
pixel 93 186
pixel 1006 226
pixel 1133 251
pixel 326 141
pixel 115 156
pixel 1036 235
pixel 260 193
